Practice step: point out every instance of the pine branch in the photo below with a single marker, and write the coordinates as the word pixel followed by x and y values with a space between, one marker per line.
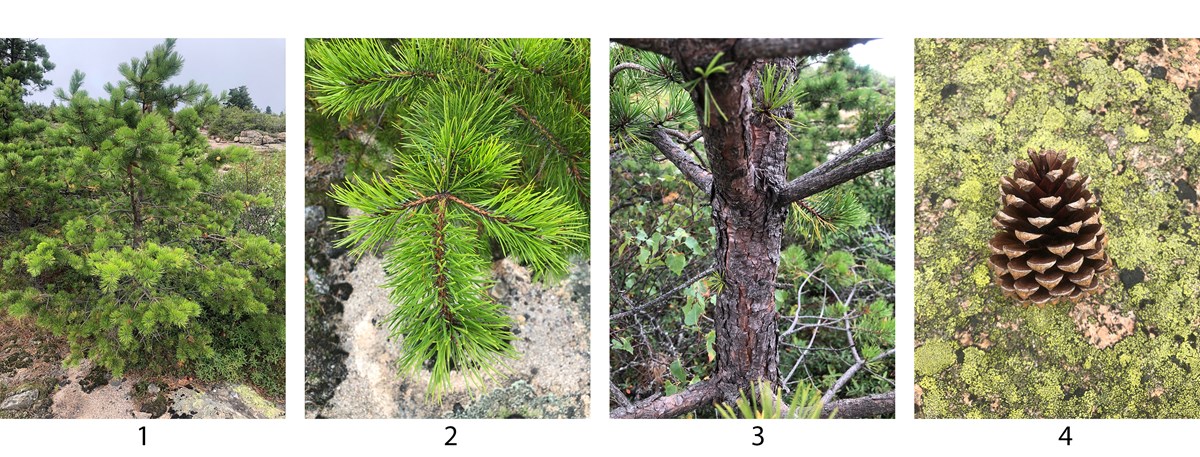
pixel 453 189
pixel 612 74
pixel 747 48
pixel 766 48
pixel 838 170
pixel 691 170
pixel 694 396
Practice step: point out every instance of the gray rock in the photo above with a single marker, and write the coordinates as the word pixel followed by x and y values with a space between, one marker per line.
pixel 225 401
pixel 153 389
pixel 20 400
pixel 318 283
pixel 313 215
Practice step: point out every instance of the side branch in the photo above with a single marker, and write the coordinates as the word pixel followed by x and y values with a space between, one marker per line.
pixel 666 295
pixel 765 48
pixel 695 173
pixel 819 180
pixel 478 209
pixel 885 133
pixel 554 142
pixel 695 396
pixel 845 378
pixel 612 75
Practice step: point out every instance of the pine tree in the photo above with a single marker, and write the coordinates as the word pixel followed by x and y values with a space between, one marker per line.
pixel 25 61
pixel 725 113
pixel 486 145
pixel 240 97
pixel 146 80
pixel 117 236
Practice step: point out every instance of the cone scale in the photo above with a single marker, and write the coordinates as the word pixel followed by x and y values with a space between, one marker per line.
pixel 1050 244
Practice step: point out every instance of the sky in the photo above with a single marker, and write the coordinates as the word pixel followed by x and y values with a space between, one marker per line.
pixel 223 64
pixel 882 55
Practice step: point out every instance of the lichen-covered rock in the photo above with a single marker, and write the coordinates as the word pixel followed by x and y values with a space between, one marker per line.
pixel 224 401
pixel 20 400
pixel 519 401
pixel 1131 351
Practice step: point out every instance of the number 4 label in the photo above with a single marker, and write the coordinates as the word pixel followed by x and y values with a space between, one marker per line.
pixel 1066 436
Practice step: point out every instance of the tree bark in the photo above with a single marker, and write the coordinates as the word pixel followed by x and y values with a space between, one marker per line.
pixel 856 408
pixel 747 152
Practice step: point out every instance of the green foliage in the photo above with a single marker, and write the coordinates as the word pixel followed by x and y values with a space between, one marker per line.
pixel 828 211
pixel 476 169
pixel 120 232
pixel 229 121
pixel 239 97
pixel 765 402
pixel 146 80
pixel 979 105
pixel 357 89
pixel 25 61
pixel 703 74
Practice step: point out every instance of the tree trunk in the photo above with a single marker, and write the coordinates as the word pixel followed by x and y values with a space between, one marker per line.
pixel 747 150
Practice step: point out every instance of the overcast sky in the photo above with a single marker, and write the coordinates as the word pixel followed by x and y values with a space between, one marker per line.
pixel 882 55
pixel 223 64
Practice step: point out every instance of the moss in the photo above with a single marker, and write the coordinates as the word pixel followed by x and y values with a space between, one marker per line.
pixel 1129 134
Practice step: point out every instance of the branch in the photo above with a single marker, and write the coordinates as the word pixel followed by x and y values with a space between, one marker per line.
pixel 829 394
pixel 886 132
pixel 765 48
pixel 814 182
pixel 666 295
pixel 695 396
pixel 748 49
pixel 619 396
pixel 695 173
pixel 612 75
pixel 661 46
pixel 873 405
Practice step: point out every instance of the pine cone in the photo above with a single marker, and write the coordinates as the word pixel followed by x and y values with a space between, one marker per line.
pixel 1051 243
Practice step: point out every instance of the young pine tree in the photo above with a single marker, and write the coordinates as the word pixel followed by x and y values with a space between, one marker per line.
pixel 112 234
pixel 724 113
pixel 479 148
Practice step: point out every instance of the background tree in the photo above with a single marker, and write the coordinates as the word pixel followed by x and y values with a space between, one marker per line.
pixel 723 112
pixel 23 64
pixel 240 97
pixel 485 144
pixel 121 235
pixel 25 61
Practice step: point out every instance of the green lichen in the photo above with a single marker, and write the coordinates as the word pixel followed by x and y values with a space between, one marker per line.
pixel 980 104
pixel 934 357
pixel 256 402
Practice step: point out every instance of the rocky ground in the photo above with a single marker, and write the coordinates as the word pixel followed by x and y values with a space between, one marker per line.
pixel 349 356
pixel 254 139
pixel 35 384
